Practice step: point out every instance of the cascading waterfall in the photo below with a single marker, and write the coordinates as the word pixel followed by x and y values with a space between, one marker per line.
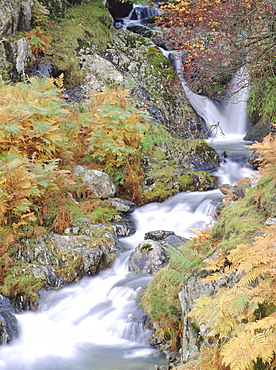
pixel 95 324
pixel 137 15
pixel 229 118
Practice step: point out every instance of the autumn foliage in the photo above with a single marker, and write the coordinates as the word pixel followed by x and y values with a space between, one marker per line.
pixel 42 138
pixel 220 36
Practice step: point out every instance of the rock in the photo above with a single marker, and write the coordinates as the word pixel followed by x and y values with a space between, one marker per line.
pixel 150 255
pixel 48 274
pixel 147 258
pixel 122 225
pixel 255 160
pixel 83 249
pixel 142 62
pixel 258 131
pixel 193 288
pixel 8 322
pixel 15 15
pixel 14 59
pixel 23 56
pixel 98 183
pixel 121 205
pixel 179 165
pixel 158 234
pixel 98 71
pixel 237 191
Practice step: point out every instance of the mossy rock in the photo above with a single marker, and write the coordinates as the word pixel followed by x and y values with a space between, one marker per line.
pixel 83 25
pixel 150 71
pixel 168 181
pixel 197 181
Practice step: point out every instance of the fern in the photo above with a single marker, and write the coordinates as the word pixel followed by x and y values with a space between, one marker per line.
pixel 231 316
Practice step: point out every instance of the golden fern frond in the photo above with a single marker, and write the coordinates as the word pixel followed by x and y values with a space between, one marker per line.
pixel 242 351
pixel 267 149
pixel 204 310
pixel 212 278
pixel 217 263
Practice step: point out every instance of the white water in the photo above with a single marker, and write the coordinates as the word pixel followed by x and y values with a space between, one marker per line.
pixel 137 15
pixel 229 118
pixel 95 324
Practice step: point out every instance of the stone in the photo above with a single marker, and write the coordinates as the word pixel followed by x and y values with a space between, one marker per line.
pixel 158 234
pixel 99 183
pixel 8 322
pixel 83 249
pixel 122 225
pixel 193 335
pixel 147 258
pixel 141 62
pixel 15 15
pixel 121 205
pixel 23 57
pixel 47 273
pixel 98 71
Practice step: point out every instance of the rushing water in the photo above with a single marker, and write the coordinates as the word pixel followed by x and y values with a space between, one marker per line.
pixel 95 324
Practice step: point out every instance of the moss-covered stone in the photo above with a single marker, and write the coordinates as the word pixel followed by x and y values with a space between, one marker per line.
pixel 83 25
pixel 152 74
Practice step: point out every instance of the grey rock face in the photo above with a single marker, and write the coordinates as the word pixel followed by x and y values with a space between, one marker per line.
pixel 15 15
pixel 99 183
pixel 23 55
pixel 8 322
pixel 141 62
pixel 194 335
pixel 82 250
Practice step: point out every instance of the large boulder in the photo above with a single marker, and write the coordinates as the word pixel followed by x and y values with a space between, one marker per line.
pixel 179 165
pixel 98 183
pixel 150 255
pixel 83 249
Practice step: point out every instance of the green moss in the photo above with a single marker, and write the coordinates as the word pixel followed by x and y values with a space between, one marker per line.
pixel 20 286
pixel 147 246
pixel 90 23
pixel 242 220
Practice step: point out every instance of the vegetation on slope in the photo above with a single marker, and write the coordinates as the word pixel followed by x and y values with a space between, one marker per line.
pixel 240 321
pixel 42 138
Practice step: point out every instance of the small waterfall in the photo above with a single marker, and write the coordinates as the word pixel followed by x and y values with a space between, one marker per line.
pixel 229 118
pixel 137 15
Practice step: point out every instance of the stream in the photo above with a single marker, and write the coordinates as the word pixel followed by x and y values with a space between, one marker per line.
pixel 96 324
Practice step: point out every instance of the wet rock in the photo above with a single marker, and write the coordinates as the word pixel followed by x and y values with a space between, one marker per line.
pixel 122 225
pixel 8 322
pixel 237 191
pixel 255 160
pixel 150 255
pixel 147 258
pixel 99 183
pixel 158 234
pixel 83 249
pixel 258 131
pixel 48 274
